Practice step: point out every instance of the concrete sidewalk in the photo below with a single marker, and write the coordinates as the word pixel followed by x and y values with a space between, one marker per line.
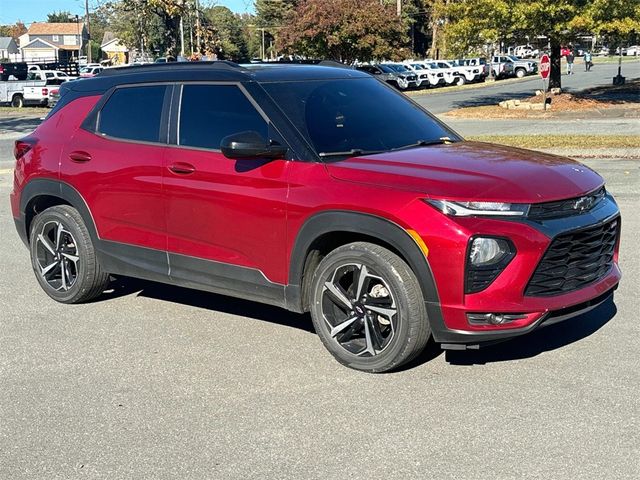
pixel 530 126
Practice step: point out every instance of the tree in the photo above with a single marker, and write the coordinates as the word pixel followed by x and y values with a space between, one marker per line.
pixel 63 16
pixel 618 20
pixel 473 24
pixel 345 31
pixel 274 13
pixel 231 43
pixel 271 16
pixel 13 31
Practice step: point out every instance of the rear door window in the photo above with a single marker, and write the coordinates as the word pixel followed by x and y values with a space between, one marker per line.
pixel 133 113
pixel 208 113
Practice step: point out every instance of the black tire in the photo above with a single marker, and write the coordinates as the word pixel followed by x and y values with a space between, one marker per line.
pixel 17 101
pixel 399 336
pixel 58 238
pixel 520 72
pixel 460 81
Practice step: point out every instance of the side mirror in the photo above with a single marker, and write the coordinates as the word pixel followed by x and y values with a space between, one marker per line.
pixel 250 145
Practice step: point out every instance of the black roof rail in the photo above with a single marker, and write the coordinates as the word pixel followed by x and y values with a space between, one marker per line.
pixel 127 69
pixel 306 61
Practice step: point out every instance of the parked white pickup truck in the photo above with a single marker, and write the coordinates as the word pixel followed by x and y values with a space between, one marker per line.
pixel 471 73
pixel 40 95
pixel 12 91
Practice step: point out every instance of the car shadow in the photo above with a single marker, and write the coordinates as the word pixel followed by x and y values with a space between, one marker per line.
pixel 123 286
pixel 540 341
pixel 526 346
pixel 17 124
pixel 490 100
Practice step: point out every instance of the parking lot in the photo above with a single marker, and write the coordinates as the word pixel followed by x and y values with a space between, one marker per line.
pixel 156 381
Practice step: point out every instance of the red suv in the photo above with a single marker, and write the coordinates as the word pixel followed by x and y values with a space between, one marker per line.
pixel 316 189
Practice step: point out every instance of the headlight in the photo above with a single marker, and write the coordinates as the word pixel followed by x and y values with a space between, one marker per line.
pixel 468 209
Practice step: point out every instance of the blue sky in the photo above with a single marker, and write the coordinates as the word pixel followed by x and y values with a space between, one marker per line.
pixel 36 10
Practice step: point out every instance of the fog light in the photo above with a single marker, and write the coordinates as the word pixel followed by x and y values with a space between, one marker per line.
pixel 493 318
pixel 487 251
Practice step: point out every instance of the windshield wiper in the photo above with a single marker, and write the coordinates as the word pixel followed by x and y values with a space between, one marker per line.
pixel 354 152
pixel 424 143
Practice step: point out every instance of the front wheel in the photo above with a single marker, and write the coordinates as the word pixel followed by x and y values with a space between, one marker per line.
pixel 520 73
pixel 460 81
pixel 367 308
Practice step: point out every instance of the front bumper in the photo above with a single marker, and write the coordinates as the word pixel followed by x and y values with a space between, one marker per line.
pixel 506 295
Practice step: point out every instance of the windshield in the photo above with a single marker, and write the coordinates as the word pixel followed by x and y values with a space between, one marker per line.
pixel 85 70
pixel 386 69
pixel 514 58
pixel 358 115
pixel 398 68
pixel 417 66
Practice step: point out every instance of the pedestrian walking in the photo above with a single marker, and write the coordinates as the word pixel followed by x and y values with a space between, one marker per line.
pixel 570 59
pixel 587 62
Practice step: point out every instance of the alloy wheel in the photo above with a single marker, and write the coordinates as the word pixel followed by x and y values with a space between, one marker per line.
pixel 359 310
pixel 57 256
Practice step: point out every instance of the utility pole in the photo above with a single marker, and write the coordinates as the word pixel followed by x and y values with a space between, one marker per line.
pixel 181 35
pixel 399 7
pixel 198 26
pixel 262 50
pixel 86 14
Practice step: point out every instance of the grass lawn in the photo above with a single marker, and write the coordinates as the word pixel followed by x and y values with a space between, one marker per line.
pixel 25 111
pixel 560 141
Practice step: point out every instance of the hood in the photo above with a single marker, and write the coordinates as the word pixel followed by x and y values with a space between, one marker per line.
pixel 472 171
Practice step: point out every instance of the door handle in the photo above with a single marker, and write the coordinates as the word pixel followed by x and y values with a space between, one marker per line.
pixel 80 157
pixel 182 168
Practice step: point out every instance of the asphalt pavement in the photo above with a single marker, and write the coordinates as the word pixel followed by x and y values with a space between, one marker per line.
pixel 160 382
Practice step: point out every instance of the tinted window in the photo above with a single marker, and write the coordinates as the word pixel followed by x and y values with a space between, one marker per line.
pixel 363 114
pixel 208 113
pixel 133 113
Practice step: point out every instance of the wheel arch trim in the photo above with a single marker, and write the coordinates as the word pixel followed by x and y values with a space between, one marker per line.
pixel 54 188
pixel 345 221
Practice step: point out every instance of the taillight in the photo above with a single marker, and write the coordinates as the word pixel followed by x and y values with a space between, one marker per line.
pixel 45 92
pixel 22 146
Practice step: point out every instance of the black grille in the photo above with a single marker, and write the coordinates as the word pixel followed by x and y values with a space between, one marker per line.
pixel 566 208
pixel 574 260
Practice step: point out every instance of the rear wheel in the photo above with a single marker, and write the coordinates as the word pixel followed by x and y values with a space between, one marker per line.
pixel 63 257
pixel 17 101
pixel 367 308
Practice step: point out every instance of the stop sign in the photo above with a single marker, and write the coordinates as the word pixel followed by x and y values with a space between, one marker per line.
pixel 545 66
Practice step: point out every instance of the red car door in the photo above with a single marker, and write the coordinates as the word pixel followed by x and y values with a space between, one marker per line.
pixel 225 218
pixel 117 168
